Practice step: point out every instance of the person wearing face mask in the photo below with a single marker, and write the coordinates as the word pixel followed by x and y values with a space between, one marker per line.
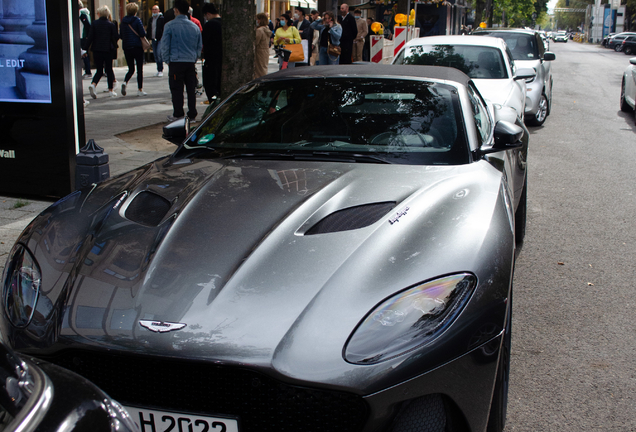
pixel 358 43
pixel 285 35
pixel 303 26
pixel 155 31
pixel 330 33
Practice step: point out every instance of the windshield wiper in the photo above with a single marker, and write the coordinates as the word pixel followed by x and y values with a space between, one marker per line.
pixel 309 156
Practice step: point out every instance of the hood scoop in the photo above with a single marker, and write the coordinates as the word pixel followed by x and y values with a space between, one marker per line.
pixel 352 218
pixel 147 208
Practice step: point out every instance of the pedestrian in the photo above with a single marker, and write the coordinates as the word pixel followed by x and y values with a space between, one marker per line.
pixel 212 51
pixel 358 43
pixel 349 33
pixel 315 41
pixel 261 47
pixel 85 27
pixel 366 52
pixel 131 30
pixel 180 46
pixel 330 33
pixel 102 39
pixel 306 33
pixel 286 34
pixel 194 20
pixel 155 31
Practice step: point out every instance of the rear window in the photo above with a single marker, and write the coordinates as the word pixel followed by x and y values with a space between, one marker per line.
pixel 475 61
pixel 523 46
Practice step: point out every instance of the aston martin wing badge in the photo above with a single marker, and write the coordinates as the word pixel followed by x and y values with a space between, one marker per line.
pixel 161 326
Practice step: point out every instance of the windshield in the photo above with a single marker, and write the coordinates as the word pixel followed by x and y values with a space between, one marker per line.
pixel 475 61
pixel 522 46
pixel 396 120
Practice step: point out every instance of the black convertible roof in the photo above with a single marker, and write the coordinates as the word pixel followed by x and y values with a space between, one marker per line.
pixel 371 70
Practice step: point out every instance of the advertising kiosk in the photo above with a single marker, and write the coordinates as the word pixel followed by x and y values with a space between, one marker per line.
pixel 41 109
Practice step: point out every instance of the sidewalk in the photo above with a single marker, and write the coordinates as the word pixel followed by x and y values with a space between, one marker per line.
pixel 127 127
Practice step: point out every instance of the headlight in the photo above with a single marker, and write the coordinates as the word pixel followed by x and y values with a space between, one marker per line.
pixel 21 286
pixel 410 319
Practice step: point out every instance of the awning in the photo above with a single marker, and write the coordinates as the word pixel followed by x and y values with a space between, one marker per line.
pixel 293 2
pixel 312 4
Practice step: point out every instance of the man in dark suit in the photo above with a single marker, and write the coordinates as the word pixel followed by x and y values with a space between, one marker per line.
pixel 349 33
pixel 306 33
pixel 212 51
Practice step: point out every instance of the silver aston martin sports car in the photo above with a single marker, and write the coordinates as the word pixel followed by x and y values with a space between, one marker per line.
pixel 331 250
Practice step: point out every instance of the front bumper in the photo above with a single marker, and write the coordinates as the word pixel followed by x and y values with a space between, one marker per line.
pixel 463 387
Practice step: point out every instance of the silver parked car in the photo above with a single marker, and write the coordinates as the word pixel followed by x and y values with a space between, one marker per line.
pixel 628 88
pixel 528 50
pixel 488 61
pixel 332 249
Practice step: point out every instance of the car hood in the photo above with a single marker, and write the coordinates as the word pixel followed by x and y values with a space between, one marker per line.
pixel 504 92
pixel 238 260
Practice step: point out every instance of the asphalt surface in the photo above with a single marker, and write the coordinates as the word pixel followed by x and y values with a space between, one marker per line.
pixel 574 345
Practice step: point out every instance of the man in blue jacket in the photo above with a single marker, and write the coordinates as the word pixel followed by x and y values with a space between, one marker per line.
pixel 180 46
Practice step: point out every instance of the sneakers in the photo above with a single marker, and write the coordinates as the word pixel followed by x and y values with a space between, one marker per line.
pixel 173 118
pixel 91 90
pixel 192 120
pixel 86 103
pixel 87 75
pixel 141 93
pixel 159 74
pixel 112 94
pixel 123 89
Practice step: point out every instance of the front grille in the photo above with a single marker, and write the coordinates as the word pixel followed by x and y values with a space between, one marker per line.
pixel 260 402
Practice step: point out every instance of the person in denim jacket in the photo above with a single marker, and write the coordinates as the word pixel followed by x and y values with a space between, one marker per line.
pixel 180 47
pixel 330 31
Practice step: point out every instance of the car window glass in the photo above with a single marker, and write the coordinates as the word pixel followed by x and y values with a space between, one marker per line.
pixel 540 45
pixel 480 114
pixel 513 65
pixel 375 115
pixel 522 46
pixel 475 61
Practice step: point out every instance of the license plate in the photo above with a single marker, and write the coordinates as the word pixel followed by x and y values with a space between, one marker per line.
pixel 163 421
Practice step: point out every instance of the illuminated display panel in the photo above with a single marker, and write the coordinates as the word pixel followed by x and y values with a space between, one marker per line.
pixel 24 52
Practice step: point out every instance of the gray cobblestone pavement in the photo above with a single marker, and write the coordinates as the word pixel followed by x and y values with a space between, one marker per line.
pixel 127 127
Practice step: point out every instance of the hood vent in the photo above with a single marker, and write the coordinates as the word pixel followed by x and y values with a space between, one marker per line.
pixel 352 218
pixel 148 208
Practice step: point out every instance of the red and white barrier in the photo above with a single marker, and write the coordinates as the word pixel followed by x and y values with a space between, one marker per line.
pixel 399 39
pixel 377 48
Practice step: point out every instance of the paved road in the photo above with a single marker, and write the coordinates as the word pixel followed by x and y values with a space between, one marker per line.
pixel 574 326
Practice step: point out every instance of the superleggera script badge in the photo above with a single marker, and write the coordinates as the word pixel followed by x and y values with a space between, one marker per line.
pixel 398 215
pixel 160 326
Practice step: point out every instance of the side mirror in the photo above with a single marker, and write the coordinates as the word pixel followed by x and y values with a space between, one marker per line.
pixel 177 131
pixel 507 137
pixel 525 73
pixel 549 56
pixel 633 60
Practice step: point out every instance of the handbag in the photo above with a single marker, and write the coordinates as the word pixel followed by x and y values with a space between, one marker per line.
pixel 145 44
pixel 334 50
pixel 297 53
